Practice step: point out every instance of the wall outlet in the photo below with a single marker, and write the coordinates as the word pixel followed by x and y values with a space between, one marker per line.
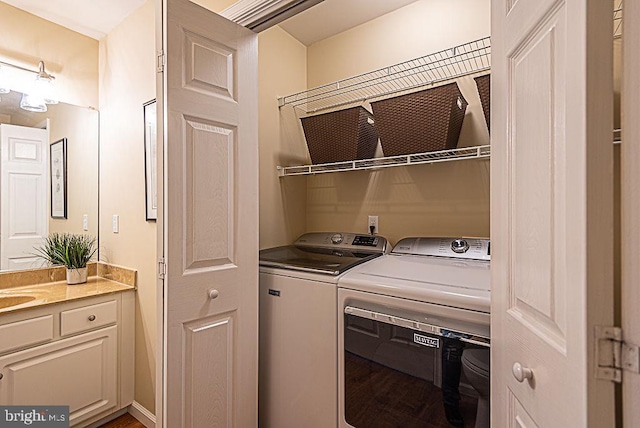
pixel 372 225
pixel 85 222
pixel 116 223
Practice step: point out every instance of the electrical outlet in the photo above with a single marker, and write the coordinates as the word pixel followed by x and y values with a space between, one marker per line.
pixel 116 223
pixel 373 223
pixel 85 222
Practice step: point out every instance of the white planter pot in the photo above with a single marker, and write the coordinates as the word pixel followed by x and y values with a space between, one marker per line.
pixel 76 276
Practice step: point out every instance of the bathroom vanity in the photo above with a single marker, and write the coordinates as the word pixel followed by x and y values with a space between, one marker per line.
pixel 68 345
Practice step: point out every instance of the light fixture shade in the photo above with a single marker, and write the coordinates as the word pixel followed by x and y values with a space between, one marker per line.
pixel 4 82
pixel 44 88
pixel 31 102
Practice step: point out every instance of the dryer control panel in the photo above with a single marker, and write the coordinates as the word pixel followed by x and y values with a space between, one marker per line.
pixel 461 248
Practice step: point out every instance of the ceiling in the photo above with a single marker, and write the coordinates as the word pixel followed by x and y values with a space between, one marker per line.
pixel 313 24
pixel 95 18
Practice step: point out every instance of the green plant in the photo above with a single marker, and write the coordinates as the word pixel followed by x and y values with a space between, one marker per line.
pixel 67 249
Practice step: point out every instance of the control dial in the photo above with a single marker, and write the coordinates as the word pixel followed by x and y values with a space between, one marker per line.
pixel 459 246
pixel 337 238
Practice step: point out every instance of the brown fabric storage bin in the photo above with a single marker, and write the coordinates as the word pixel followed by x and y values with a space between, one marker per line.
pixel 420 122
pixel 341 135
pixel 484 90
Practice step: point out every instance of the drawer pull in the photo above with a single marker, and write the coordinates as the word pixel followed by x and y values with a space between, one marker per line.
pixel 92 317
pixel 213 294
pixel 1 376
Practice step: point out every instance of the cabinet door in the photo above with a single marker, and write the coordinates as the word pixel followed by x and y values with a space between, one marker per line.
pixel 79 372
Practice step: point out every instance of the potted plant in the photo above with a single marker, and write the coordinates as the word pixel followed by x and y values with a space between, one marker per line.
pixel 69 250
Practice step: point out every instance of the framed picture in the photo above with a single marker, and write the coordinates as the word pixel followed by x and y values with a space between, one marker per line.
pixel 58 178
pixel 150 156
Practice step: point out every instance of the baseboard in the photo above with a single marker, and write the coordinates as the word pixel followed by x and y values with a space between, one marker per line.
pixel 145 417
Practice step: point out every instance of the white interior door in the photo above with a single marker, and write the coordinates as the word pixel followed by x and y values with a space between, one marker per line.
pixel 23 195
pixel 630 195
pixel 210 220
pixel 551 211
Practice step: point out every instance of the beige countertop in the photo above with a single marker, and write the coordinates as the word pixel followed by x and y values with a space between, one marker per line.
pixel 58 292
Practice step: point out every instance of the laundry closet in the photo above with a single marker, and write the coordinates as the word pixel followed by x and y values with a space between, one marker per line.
pixel 441 199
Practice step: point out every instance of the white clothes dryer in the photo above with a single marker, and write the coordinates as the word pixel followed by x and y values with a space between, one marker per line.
pixel 404 320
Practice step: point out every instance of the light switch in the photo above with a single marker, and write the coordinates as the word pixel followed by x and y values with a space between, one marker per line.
pixel 85 222
pixel 116 223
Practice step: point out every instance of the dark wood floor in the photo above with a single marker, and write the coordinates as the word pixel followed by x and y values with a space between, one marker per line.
pixel 124 421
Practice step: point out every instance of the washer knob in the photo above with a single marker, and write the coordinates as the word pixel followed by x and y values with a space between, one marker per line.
pixel 337 238
pixel 459 246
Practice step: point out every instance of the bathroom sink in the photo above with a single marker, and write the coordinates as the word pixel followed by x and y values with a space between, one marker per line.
pixel 8 301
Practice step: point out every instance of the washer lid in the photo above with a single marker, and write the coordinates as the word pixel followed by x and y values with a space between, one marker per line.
pixel 329 253
pixel 317 260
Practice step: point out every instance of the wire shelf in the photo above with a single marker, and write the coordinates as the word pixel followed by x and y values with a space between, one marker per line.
pixel 475 152
pixel 458 61
pixel 617 20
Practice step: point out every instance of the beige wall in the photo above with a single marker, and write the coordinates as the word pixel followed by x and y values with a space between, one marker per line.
pixel 127 80
pixel 415 30
pixel 79 125
pixel 444 199
pixel 282 70
pixel 26 39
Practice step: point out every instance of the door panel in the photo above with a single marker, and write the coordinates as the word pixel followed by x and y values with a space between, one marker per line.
pixel 210 220
pixel 537 175
pixel 208 372
pixel 551 210
pixel 23 181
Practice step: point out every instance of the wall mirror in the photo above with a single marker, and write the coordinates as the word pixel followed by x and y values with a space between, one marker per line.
pixel 27 179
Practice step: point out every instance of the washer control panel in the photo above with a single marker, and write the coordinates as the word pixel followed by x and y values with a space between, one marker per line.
pixel 342 240
pixel 462 248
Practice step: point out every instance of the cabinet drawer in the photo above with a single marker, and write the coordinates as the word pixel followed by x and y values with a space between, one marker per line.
pixel 88 318
pixel 26 333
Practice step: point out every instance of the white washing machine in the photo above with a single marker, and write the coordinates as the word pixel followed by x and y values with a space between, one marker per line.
pixel 298 326
pixel 404 321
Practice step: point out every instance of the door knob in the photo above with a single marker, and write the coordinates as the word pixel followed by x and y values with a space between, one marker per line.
pixel 521 373
pixel 213 294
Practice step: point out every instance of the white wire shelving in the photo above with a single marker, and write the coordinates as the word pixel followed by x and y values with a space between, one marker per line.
pixel 438 67
pixel 475 152
pixel 435 68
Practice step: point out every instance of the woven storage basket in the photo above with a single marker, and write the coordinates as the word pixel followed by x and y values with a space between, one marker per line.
pixel 420 122
pixel 484 90
pixel 341 135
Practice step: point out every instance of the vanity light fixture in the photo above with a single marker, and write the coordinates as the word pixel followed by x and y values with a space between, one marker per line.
pixel 37 93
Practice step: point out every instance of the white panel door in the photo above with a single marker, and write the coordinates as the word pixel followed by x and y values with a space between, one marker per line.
pixel 551 211
pixel 23 195
pixel 210 220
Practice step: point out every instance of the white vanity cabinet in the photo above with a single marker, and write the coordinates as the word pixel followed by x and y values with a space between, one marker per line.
pixel 77 353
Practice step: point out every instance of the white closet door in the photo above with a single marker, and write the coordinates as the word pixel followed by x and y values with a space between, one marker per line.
pixel 23 195
pixel 630 195
pixel 210 220
pixel 551 211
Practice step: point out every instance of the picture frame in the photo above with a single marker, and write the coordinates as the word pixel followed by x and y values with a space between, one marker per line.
pixel 150 160
pixel 58 178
